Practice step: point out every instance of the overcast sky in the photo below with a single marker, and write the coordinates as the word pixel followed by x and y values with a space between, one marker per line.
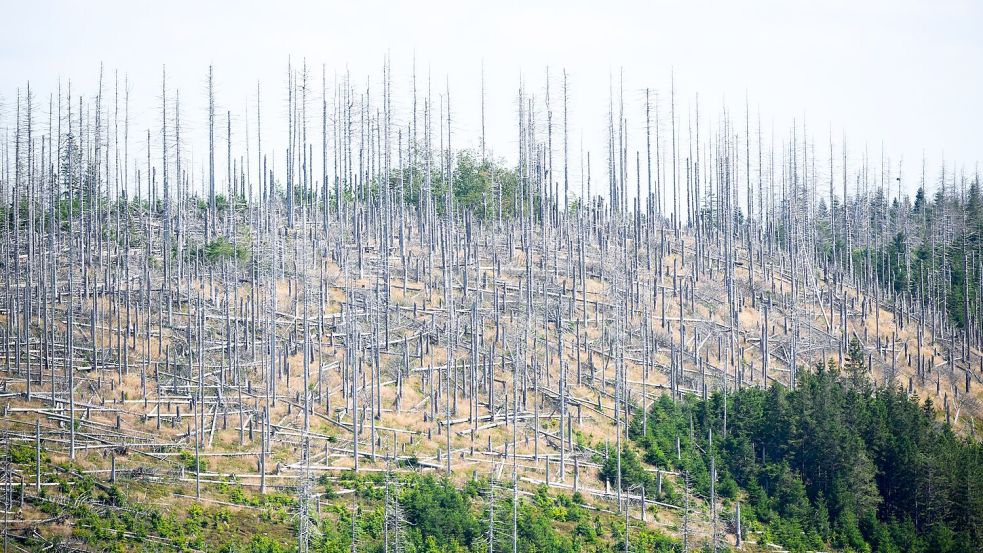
pixel 904 74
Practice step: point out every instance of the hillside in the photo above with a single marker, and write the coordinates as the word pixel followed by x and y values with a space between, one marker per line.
pixel 293 360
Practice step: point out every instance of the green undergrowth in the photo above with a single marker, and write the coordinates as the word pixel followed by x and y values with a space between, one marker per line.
pixel 439 516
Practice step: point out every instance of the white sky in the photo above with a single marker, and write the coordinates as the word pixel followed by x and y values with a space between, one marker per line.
pixel 903 73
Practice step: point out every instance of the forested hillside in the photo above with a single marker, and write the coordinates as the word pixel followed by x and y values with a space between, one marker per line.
pixel 835 462
pixel 375 339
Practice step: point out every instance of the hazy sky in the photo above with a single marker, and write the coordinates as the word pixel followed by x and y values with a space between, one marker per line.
pixel 902 73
